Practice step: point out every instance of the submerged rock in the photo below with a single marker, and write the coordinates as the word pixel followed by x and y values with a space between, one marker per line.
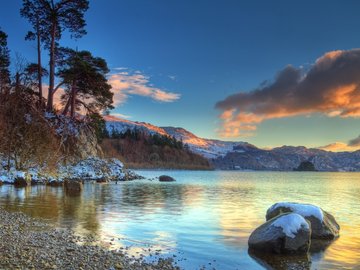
pixel 166 178
pixel 288 233
pixel 73 187
pixel 282 262
pixel 323 224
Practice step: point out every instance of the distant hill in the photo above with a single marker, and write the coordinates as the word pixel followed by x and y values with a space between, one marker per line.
pixel 206 147
pixel 244 156
pixel 140 148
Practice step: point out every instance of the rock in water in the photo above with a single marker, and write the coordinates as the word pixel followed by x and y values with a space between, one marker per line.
pixel 102 180
pixel 282 262
pixel 323 224
pixel 288 233
pixel 166 178
pixel 73 187
pixel 22 180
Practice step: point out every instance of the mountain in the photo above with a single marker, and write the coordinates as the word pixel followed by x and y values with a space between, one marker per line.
pixel 244 156
pixel 206 147
pixel 287 158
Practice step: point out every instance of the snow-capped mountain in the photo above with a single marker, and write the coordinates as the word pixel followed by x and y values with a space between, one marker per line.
pixel 205 147
pixel 121 125
pixel 244 156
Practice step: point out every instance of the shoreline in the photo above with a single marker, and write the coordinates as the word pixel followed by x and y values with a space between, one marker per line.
pixel 30 243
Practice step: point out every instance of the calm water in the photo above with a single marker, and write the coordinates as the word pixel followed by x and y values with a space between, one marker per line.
pixel 204 219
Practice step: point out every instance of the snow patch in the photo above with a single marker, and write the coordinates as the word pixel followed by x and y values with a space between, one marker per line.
pixel 92 168
pixel 305 210
pixel 291 224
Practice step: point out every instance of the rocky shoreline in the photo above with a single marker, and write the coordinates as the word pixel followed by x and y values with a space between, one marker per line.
pixel 28 243
pixel 90 169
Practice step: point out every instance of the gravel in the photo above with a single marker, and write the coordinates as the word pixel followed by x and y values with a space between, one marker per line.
pixel 28 243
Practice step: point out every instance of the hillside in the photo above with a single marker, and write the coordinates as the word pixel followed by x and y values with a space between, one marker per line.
pixel 226 155
pixel 208 148
pixel 138 149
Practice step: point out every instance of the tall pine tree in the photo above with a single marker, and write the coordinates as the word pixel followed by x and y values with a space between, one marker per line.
pixel 4 63
pixel 50 18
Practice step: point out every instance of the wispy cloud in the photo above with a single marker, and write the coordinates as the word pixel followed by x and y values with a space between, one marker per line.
pixel 120 115
pixel 125 83
pixel 331 87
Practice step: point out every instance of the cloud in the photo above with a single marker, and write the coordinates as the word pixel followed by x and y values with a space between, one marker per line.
pixel 330 87
pixel 120 115
pixel 355 142
pixel 337 147
pixel 125 84
pixel 352 145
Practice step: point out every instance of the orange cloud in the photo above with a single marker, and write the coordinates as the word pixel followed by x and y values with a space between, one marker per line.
pixel 331 87
pixel 339 147
pixel 125 84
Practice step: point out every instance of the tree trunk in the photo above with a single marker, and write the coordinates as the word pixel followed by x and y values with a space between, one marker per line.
pixel 73 100
pixel 39 65
pixel 66 109
pixel 52 68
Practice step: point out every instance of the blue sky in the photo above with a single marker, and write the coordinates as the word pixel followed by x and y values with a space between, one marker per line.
pixel 206 50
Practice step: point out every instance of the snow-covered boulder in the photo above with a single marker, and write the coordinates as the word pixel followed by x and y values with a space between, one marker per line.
pixel 288 233
pixel 323 224
pixel 96 168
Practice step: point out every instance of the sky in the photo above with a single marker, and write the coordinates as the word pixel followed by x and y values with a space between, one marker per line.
pixel 270 73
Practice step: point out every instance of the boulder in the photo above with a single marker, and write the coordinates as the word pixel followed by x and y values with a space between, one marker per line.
pixel 102 180
pixel 131 175
pixel 73 187
pixel 166 178
pixel 1 183
pixel 22 180
pixel 323 224
pixel 288 233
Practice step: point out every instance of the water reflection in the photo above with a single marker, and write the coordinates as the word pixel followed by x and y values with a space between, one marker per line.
pixel 282 262
pixel 205 217
pixel 292 262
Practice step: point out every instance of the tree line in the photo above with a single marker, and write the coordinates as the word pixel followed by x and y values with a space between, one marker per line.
pixel 150 139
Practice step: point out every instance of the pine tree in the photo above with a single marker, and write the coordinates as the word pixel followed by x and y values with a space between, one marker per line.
pixel 50 19
pixel 4 63
pixel 84 77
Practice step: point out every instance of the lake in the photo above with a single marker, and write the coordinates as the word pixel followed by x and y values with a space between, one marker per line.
pixel 204 219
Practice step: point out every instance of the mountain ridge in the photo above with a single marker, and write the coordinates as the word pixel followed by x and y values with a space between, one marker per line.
pixel 232 155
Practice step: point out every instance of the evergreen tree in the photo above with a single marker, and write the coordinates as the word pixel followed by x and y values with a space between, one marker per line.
pixel 54 17
pixel 31 11
pixel 98 123
pixel 84 77
pixel 4 63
